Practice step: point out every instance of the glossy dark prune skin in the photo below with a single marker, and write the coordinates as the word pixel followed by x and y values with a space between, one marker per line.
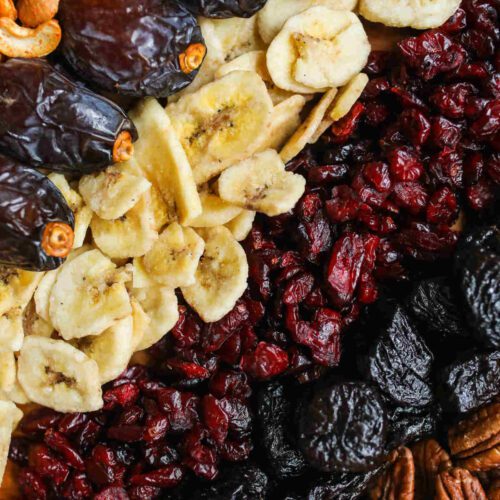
pixel 28 202
pixel 467 385
pixel 478 269
pixel 343 428
pixel 48 121
pixel 274 414
pixel 129 47
pixel 400 362
pixel 221 9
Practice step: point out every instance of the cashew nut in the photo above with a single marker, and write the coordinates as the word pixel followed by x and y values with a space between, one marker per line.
pixel 8 9
pixel 16 41
pixel 33 13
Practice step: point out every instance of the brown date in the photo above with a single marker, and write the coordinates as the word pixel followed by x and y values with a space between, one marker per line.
pixel 36 224
pixel 48 121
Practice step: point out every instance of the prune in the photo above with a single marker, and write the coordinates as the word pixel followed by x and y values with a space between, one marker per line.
pixel 400 362
pixel 466 385
pixel 433 304
pixel 343 428
pixel 237 482
pixel 221 9
pixel 153 47
pixel 36 224
pixel 48 121
pixel 274 415
pixel 478 268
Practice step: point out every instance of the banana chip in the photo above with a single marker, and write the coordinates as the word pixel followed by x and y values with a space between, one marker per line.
pixel 262 184
pixel 216 212
pixel 418 14
pixel 129 236
pixel 33 324
pixel 174 257
pixel 223 122
pixel 10 416
pixel 347 96
pixel 241 225
pixel 305 133
pixel 275 13
pixel 221 277
pixel 112 193
pixel 160 304
pixel 141 323
pixel 164 161
pixel 111 350
pixel 11 330
pixel 16 288
pixel 57 375
pixel 88 296
pixel 7 371
pixel 318 49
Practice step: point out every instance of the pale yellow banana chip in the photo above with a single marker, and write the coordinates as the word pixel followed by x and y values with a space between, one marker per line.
pixel 221 277
pixel 88 296
pixel 57 375
pixel 241 225
pixel 306 131
pixel 10 416
pixel 11 330
pixel 216 212
pixel 173 259
pixel 141 323
pixel 7 371
pixel 223 122
pixel 16 287
pixel 33 324
pixel 347 96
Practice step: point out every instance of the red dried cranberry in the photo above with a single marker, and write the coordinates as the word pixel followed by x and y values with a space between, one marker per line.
pixel 451 99
pixel 166 477
pixel 123 395
pixel 411 195
pixel 325 174
pixel 112 493
pixel 143 492
pixel 377 173
pixel 404 164
pixel 345 127
pixel 215 418
pixel 63 447
pixel 297 288
pixel 456 23
pixel 415 126
pixel 447 168
pixel 266 361
pixel 47 465
pixel 100 466
pixel 445 133
pixel 442 207
pixel 77 487
pixel 180 408
pixel 39 420
pixel 487 123
pixel 32 485
pixel 72 422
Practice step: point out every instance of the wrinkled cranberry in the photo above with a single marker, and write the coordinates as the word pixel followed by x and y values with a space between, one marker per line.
pixel 32 485
pixel 442 207
pixel 266 361
pixel 47 465
pixel 166 477
pixel 63 447
pixel 112 493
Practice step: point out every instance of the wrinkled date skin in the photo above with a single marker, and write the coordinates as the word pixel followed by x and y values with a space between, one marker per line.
pixel 48 121
pixel 28 202
pixel 221 9
pixel 343 428
pixel 132 48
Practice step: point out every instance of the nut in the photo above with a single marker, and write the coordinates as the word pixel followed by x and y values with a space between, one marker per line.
pixel 16 41
pixel 458 484
pixel 399 480
pixel 430 459
pixel 8 9
pixel 482 461
pixel 494 490
pixel 33 13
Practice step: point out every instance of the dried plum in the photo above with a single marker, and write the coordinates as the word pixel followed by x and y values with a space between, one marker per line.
pixel 274 415
pixel 36 224
pixel 400 362
pixel 48 121
pixel 221 9
pixel 478 269
pixel 343 428
pixel 148 48
pixel 466 385
pixel 236 482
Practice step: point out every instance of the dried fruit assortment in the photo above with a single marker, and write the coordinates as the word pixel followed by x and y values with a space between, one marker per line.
pixel 312 223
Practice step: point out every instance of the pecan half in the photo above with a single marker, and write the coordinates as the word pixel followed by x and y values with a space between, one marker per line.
pixel 479 432
pixel 494 490
pixel 458 484
pixel 482 461
pixel 398 481
pixel 430 459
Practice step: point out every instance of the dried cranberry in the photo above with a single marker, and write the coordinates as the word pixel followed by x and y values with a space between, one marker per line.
pixel 266 361
pixel 166 477
pixel 180 408
pixel 47 465
pixel 112 493
pixel 63 447
pixel 442 207
pixel 32 485
pixel 404 164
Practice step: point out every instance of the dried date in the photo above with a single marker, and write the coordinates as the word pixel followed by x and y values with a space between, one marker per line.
pixel 147 48
pixel 221 9
pixel 48 121
pixel 36 224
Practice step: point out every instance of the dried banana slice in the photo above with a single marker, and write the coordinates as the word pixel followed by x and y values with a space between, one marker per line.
pixel 7 371
pixel 11 330
pixel 141 323
pixel 16 288
pixel 221 277
pixel 33 324
pixel 161 156
pixel 82 213
pixel 112 193
pixel 216 212
pixel 418 14
pixel 173 259
pixel 160 304
pixel 88 296
pixel 241 225
pixel 318 49
pixel 261 183
pixel 140 277
pixel 285 120
pixel 111 350
pixel 275 13
pixel 305 133
pixel 129 236
pixel 16 395
pixel 10 416
pixel 223 122
pixel 57 375
pixel 347 96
